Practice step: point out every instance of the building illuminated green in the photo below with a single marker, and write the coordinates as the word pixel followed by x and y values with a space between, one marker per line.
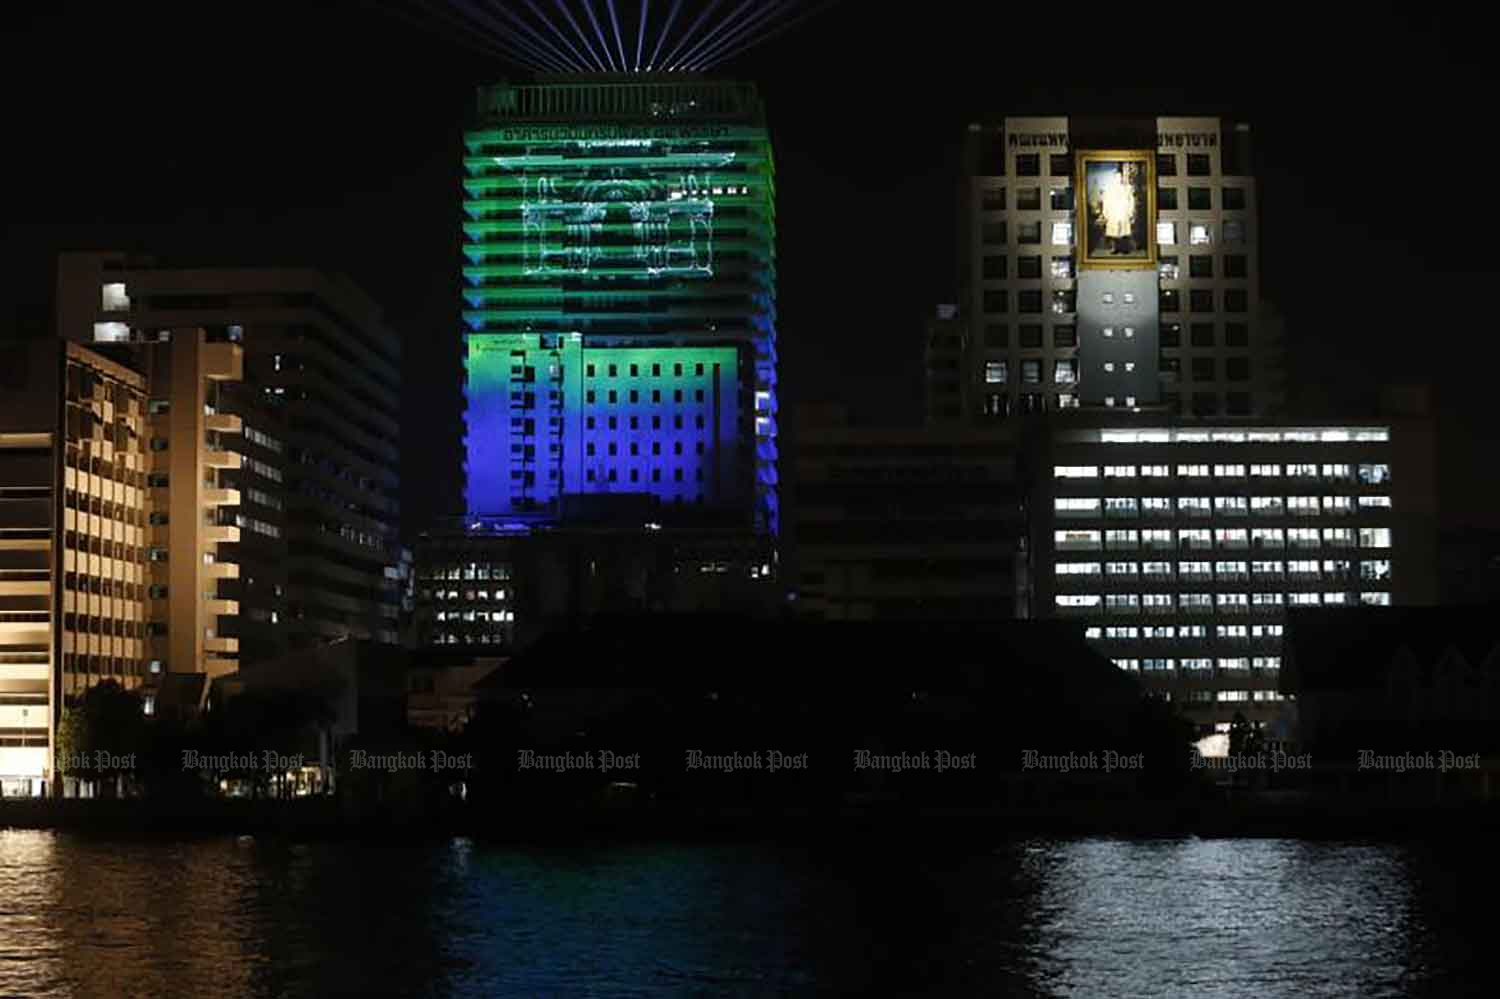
pixel 619 290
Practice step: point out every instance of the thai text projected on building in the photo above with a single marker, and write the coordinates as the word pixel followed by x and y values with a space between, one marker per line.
pixel 1117 210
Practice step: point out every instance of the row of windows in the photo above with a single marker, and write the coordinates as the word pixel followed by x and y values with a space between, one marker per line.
pixel 1222 537
pixel 1369 473
pixel 1063 165
pixel 472 570
pixel 634 396
pixel 1225 506
pixel 1029 335
pixel 1231 232
pixel 468 595
pixel 1205 602
pixel 613 370
pixel 481 616
pixel 996 267
pixel 1377 570
pixel 1060 198
pixel 1063 301
pixel 1065 370
pixel 1130 633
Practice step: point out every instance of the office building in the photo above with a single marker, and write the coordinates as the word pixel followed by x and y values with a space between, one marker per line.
pixel 907 524
pixel 1180 547
pixel 312 487
pixel 1140 292
pixel 619 301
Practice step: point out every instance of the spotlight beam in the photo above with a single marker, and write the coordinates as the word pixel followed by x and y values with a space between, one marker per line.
pixel 582 37
pixel 640 35
pixel 460 33
pixel 559 56
pixel 672 57
pixel 741 28
pixel 588 5
pixel 743 33
pixel 619 41
pixel 731 19
pixel 499 34
pixel 671 16
pixel 466 21
pixel 782 28
pixel 579 64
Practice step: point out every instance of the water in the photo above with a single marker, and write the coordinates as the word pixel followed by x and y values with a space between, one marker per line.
pixel 242 918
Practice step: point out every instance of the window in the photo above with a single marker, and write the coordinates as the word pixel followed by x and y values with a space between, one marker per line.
pixel 1171 334
pixel 1200 199
pixel 1374 502
pixel 1202 334
pixel 993 199
pixel 1029 199
pixel 1062 199
pixel 1028 164
pixel 1236 265
pixel 1236 300
pixel 1076 540
pixel 1028 300
pixel 1075 471
pixel 1065 371
pixel 1122 539
pixel 1167 269
pixel 1119 471
pixel 1166 233
pixel 1234 232
pixel 993 234
pixel 1060 165
pixel 1199 165
pixel 1201 300
pixel 1166 164
pixel 994 268
pixel 1375 599
pixel 1062 234
pixel 1171 300
pixel 1064 336
pixel 1200 233
pixel 1030 233
pixel 1374 537
pixel 1234 199
pixel 1155 471
pixel 1203 369
pixel 1031 333
pixel 1031 372
pixel 1029 267
pixel 995 372
pixel 1166 199
pixel 1062 301
pixel 997 302
pixel 1078 568
pixel 1067 400
pixel 1374 474
pixel 1199 266
pixel 997 335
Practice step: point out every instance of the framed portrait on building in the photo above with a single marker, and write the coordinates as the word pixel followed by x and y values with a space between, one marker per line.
pixel 1116 205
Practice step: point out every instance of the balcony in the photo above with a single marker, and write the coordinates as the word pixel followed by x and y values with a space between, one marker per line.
pixel 222 570
pixel 222 361
pixel 220 644
pixel 221 497
pixel 215 457
pixel 221 534
pixel 224 423
pixel 221 607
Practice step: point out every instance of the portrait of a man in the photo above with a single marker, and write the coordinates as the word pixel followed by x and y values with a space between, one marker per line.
pixel 1116 227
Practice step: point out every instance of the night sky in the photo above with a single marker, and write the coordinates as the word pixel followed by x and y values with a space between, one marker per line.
pixel 330 134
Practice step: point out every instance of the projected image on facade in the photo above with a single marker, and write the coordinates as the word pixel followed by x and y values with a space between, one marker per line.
pixel 620 300
pixel 1117 209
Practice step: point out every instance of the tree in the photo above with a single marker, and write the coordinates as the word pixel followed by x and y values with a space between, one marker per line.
pixel 100 735
pixel 1245 737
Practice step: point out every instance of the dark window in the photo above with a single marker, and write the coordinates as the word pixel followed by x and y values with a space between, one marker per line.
pixel 1028 267
pixel 1028 165
pixel 1062 199
pixel 1171 300
pixel 1200 267
pixel 1202 334
pixel 1031 335
pixel 1031 372
pixel 1236 300
pixel 1029 300
pixel 1064 336
pixel 1031 232
pixel 1171 334
pixel 1205 403
pixel 1203 369
pixel 994 199
pixel 1029 198
pixel 1234 199
pixel 1234 230
pixel 1060 165
pixel 1201 300
pixel 996 335
pixel 1199 165
pixel 1236 265
pixel 1237 369
pixel 1237 403
pixel 1063 301
pixel 1166 199
pixel 997 302
pixel 1236 334
pixel 1199 199
pixel 1170 368
pixel 1166 164
pixel 993 234
pixel 994 268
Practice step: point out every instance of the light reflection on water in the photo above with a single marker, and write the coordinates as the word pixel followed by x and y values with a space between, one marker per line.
pixel 242 918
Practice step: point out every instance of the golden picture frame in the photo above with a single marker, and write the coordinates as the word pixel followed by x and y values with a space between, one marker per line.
pixel 1115 204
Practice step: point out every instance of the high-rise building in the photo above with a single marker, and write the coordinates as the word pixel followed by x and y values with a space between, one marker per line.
pixel 1112 262
pixel 74 543
pixel 304 449
pixel 619 291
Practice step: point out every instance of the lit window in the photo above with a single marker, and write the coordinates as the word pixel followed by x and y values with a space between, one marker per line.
pixel 1166 235
pixel 1062 234
pixel 995 372
pixel 1375 599
pixel 115 298
pixel 1374 537
pixel 1119 471
pixel 1199 233
pixel 1075 471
